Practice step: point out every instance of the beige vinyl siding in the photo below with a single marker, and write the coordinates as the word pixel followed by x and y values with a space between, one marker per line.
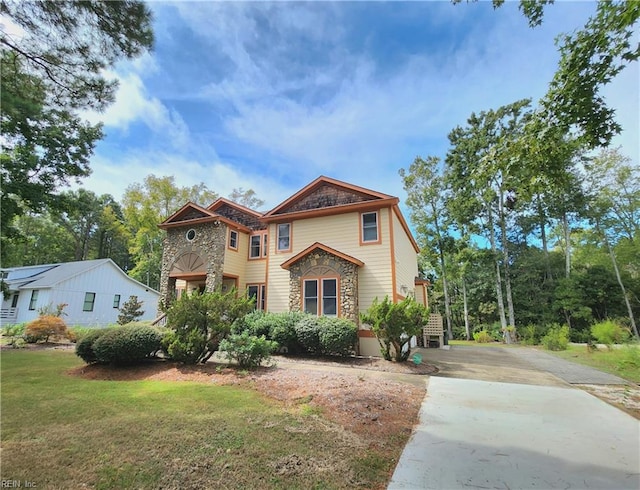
pixel 405 257
pixel 235 261
pixel 342 233
pixel 421 295
pixel 255 272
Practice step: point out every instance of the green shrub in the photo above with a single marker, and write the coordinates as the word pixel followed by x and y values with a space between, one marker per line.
pixel 127 345
pixel 131 310
pixel 580 336
pixel 283 331
pixel 338 337
pixel 557 337
pixel 15 334
pixel 84 346
pixel 530 334
pixel 14 330
pixel 483 337
pixel 255 323
pixel 609 332
pixel 200 321
pixel 308 333
pixel 249 351
pixel 45 328
pixel 79 333
pixel 394 324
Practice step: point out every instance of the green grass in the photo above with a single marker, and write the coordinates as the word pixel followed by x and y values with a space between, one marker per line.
pixel 61 431
pixel 623 362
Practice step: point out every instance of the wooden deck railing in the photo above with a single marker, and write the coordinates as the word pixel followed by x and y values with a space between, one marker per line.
pixel 161 321
pixel 433 329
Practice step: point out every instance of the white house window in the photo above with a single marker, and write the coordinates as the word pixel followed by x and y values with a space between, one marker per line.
pixel 233 239
pixel 89 300
pixel 369 227
pixel 116 301
pixel 14 301
pixel 259 293
pixel 284 237
pixel 320 296
pixel 255 246
pixel 33 300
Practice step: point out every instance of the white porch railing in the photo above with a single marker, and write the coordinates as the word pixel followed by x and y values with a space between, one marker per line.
pixel 8 314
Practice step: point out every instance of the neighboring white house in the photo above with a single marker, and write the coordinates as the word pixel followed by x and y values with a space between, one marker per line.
pixel 94 291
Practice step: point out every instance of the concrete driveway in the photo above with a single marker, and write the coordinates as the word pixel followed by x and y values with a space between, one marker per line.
pixel 505 421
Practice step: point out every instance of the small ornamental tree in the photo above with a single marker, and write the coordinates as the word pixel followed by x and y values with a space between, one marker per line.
pixel 44 328
pixel 130 311
pixel 199 322
pixel 394 324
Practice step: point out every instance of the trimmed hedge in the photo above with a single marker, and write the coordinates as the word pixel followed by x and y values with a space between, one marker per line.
pixel 308 332
pixel 338 337
pixel 84 347
pixel 120 346
pixel 249 351
pixel 255 323
pixel 283 331
pixel 297 332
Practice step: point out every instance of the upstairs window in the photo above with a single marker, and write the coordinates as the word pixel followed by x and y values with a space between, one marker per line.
pixel 255 246
pixel 233 239
pixel 89 300
pixel 116 301
pixel 369 227
pixel 284 237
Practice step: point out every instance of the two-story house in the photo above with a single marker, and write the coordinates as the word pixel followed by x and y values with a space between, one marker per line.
pixel 329 249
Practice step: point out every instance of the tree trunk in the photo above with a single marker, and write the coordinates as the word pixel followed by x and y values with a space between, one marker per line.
pixel 567 244
pixel 466 310
pixel 507 279
pixel 494 249
pixel 445 282
pixel 619 278
pixel 543 237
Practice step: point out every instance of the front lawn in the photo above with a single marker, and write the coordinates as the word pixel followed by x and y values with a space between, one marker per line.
pixel 623 361
pixel 61 431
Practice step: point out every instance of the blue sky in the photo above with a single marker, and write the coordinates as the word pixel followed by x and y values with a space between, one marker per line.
pixel 269 96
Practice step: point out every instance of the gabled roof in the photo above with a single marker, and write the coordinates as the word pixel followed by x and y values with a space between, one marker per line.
pixel 237 213
pixel 50 275
pixel 325 248
pixel 325 196
pixel 193 214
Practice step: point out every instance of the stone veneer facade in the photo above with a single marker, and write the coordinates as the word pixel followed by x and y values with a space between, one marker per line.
pixel 323 264
pixel 209 243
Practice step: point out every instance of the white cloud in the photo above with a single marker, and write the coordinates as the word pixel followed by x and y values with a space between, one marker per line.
pixel 134 104
pixel 114 176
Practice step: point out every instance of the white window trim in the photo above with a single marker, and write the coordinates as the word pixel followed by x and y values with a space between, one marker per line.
pixel 278 248
pixel 377 228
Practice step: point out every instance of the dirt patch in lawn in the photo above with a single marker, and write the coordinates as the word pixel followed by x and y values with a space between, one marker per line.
pixel 626 398
pixel 354 393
